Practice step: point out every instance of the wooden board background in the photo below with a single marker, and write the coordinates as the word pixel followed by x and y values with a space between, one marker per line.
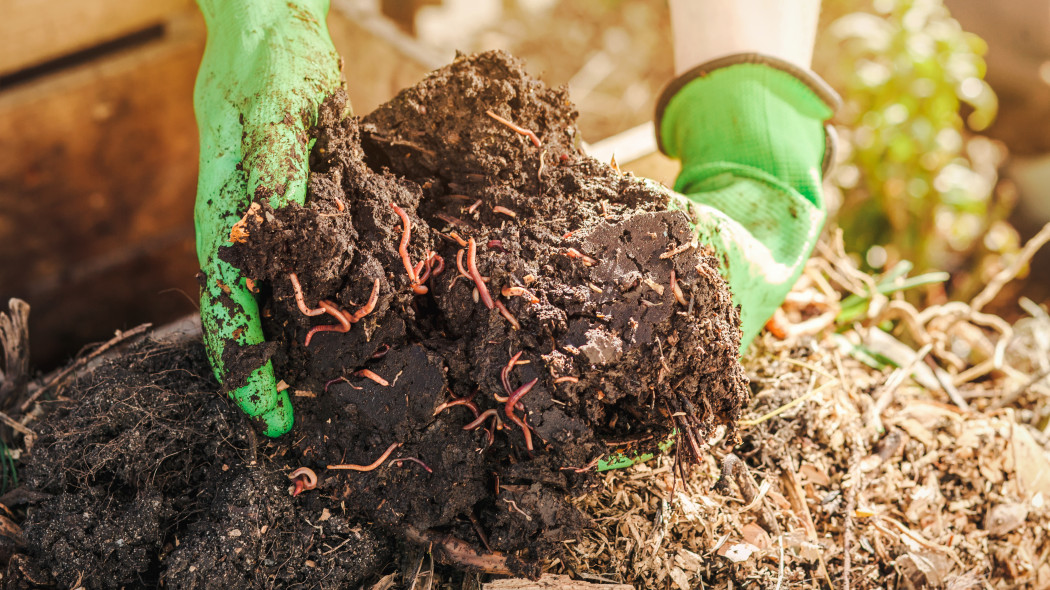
pixel 98 162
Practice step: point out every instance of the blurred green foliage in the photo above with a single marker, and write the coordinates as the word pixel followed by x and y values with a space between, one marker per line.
pixel 912 175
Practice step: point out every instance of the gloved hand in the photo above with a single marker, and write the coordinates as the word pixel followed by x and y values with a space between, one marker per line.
pixel 749 130
pixel 267 66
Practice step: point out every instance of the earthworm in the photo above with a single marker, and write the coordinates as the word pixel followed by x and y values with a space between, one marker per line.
pixel 678 295
pixel 304 478
pixel 440 266
pixel 509 292
pixel 508 409
pixel 574 253
pixel 459 240
pixel 506 314
pixel 489 432
pixel 339 204
pixel 414 460
pixel 370 375
pixel 504 210
pixel 299 297
pixel 371 466
pixel 567 379
pixel 329 384
pixel 472 267
pixel 343 325
pixel 474 207
pixel 381 351
pixel 489 413
pixel 406 233
pixel 458 401
pixel 368 306
pixel 516 128
pixel 504 374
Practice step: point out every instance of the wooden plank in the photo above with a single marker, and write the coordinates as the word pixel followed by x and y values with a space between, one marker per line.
pixel 97 183
pixel 36 31
pixel 551 582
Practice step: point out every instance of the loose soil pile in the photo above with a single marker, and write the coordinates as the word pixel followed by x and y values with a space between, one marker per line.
pixel 603 323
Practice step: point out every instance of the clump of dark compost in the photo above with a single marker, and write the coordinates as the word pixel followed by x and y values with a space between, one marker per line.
pixel 544 311
pixel 619 327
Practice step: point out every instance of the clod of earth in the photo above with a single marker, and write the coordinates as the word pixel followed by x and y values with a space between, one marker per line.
pixel 561 322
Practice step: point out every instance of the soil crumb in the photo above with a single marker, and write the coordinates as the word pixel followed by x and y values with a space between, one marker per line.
pixel 488 312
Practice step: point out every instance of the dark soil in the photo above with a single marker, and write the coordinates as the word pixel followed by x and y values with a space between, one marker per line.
pixel 155 478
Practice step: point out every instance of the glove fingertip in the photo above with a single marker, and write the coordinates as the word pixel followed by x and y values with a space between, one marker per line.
pixel 281 418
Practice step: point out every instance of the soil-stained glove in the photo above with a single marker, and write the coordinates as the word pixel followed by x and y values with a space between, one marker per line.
pixel 750 132
pixel 267 66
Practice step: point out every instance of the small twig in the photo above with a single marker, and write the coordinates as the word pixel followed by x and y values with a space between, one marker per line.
pixel 120 337
pixel 676 251
pixel 370 466
pixel 1007 274
pixel 459 552
pixel 517 129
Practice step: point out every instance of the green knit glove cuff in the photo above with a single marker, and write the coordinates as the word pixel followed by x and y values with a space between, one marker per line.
pixel 752 110
pixel 750 132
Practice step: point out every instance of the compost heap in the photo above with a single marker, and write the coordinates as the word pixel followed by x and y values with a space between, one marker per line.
pixel 497 310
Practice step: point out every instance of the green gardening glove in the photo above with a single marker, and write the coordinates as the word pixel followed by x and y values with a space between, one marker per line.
pixel 267 66
pixel 750 132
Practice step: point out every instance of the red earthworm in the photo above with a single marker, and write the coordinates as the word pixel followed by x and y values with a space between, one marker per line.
pixel 474 207
pixel 369 467
pixel 574 253
pixel 504 211
pixel 304 478
pixel 459 240
pixel 381 351
pixel 299 298
pixel 567 379
pixel 678 295
pixel 472 267
pixel 368 306
pixel 504 374
pixel 367 374
pixel 506 314
pixel 414 460
pixel 426 264
pixel 459 264
pixel 337 379
pixel 508 409
pixel 339 204
pixel 516 128
pixel 498 424
pixel 343 325
pixel 458 401
pixel 455 196
pixel 439 267
pixel 509 292
pixel 406 233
